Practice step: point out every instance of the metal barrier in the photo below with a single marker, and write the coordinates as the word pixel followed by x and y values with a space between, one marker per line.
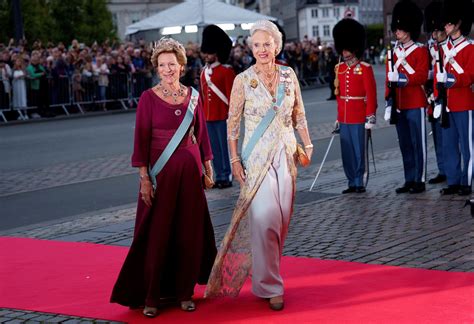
pixel 139 83
pixel 5 99
pixel 73 94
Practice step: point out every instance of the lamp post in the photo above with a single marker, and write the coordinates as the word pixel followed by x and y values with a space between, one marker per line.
pixel 17 20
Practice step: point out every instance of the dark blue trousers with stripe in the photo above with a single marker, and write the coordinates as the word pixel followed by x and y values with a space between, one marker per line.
pixel 352 138
pixel 411 130
pixel 438 145
pixel 457 143
pixel 218 137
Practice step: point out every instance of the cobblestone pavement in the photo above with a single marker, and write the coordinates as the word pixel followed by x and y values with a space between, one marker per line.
pixel 14 316
pixel 379 227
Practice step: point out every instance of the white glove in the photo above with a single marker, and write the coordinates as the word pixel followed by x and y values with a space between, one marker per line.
pixel 336 129
pixel 431 98
pixel 437 110
pixel 388 110
pixel 441 77
pixel 370 121
pixel 392 76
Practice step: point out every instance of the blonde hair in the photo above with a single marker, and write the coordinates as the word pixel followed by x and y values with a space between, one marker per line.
pixel 269 27
pixel 168 45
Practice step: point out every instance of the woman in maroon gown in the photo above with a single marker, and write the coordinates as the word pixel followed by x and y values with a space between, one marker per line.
pixel 173 247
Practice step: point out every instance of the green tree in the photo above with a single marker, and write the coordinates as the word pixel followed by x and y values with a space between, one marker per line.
pixel 6 22
pixel 59 20
pixel 67 18
pixel 374 33
pixel 97 22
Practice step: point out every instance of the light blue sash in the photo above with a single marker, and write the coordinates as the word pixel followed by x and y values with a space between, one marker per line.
pixel 265 122
pixel 176 139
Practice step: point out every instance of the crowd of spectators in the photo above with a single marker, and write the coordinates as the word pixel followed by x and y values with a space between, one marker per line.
pixel 44 75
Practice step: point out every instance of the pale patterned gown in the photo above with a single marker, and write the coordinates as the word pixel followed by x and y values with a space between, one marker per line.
pixel 266 199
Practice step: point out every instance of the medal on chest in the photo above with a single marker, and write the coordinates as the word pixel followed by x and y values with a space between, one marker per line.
pixel 358 70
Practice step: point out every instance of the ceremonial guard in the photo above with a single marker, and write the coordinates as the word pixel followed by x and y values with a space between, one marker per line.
pixel 407 73
pixel 436 38
pixel 216 85
pixel 356 96
pixel 456 75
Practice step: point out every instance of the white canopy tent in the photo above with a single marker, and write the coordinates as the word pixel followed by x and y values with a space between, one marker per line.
pixel 192 14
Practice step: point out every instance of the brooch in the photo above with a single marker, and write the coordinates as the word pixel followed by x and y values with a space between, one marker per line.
pixel 253 83
pixel 285 78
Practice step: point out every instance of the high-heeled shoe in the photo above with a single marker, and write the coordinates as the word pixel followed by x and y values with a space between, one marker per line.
pixel 150 311
pixel 276 303
pixel 188 306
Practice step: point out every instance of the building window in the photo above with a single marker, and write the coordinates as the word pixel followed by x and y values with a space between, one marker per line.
pixel 315 31
pixel 314 13
pixel 326 30
pixel 336 12
pixel 325 12
pixel 135 16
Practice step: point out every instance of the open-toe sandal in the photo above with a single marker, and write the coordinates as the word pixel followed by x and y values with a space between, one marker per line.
pixel 150 311
pixel 188 306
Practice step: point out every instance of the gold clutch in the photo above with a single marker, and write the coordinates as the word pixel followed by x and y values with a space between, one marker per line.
pixel 208 182
pixel 301 156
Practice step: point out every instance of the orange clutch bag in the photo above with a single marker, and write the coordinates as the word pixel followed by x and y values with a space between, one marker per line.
pixel 301 156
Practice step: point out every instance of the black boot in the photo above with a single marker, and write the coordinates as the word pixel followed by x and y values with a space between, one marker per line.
pixel 360 189
pixel 438 179
pixel 349 190
pixel 417 188
pixel 406 187
pixel 450 190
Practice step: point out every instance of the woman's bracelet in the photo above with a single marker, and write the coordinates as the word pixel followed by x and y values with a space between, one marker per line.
pixel 234 159
pixel 308 146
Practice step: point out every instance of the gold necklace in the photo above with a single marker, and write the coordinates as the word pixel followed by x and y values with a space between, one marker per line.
pixel 181 92
pixel 269 78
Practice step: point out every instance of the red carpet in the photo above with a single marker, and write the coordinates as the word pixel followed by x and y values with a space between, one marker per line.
pixel 76 279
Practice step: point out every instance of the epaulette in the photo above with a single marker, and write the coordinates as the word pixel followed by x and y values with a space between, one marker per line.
pixel 227 66
pixel 419 44
pixel 365 63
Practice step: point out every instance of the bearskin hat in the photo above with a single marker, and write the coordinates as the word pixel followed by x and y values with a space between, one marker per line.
pixel 349 35
pixel 434 17
pixel 408 17
pixel 216 41
pixel 459 10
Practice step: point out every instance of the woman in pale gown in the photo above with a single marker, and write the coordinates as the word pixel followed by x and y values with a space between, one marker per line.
pixel 254 241
pixel 19 87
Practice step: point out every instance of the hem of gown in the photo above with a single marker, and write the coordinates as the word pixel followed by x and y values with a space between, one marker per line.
pixel 243 213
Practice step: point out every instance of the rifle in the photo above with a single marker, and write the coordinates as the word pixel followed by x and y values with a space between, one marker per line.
pixel 392 85
pixel 442 93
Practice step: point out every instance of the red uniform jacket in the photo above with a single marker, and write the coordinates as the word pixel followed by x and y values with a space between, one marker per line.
pixel 412 96
pixel 461 94
pixel 223 78
pixel 357 93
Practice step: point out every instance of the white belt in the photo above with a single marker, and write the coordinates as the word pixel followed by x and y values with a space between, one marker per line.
pixel 401 58
pixel 213 87
pixel 450 54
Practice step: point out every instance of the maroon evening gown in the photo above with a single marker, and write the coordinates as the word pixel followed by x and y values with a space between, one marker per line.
pixel 173 246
